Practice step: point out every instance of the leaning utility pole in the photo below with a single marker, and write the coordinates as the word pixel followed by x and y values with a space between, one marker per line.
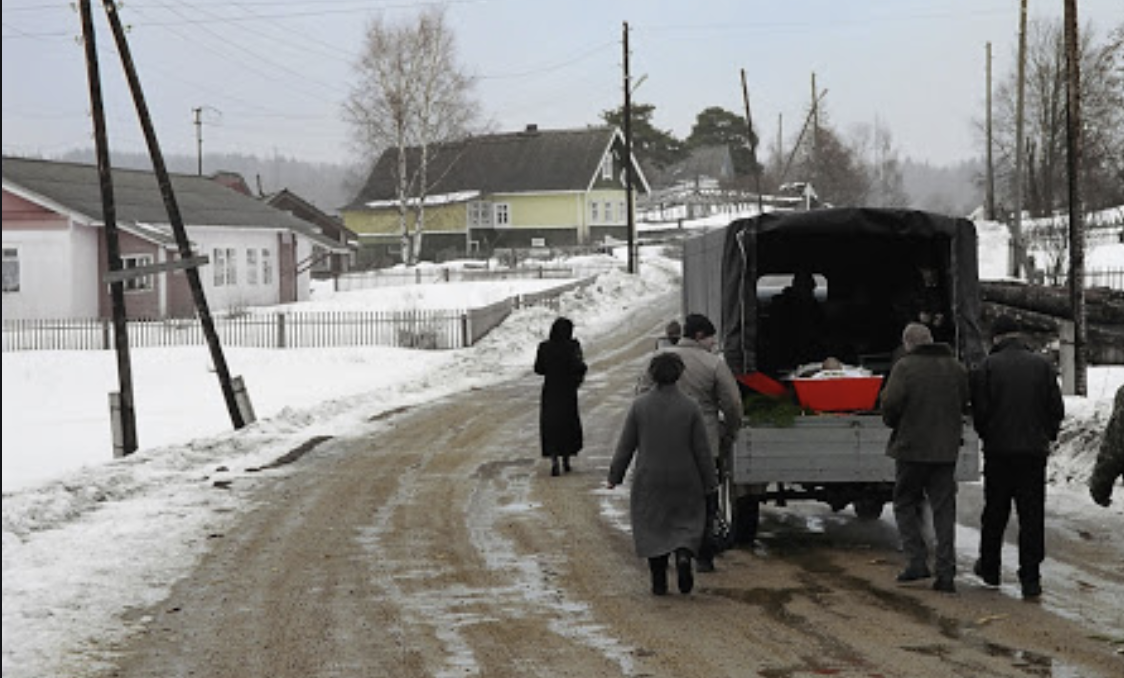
pixel 628 158
pixel 126 411
pixel 176 219
pixel 990 161
pixel 1076 218
pixel 751 141
pixel 1017 248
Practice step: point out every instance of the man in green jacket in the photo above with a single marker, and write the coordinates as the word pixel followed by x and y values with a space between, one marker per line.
pixel 925 398
pixel 1110 459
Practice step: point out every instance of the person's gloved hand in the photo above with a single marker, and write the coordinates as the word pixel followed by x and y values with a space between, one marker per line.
pixel 1101 496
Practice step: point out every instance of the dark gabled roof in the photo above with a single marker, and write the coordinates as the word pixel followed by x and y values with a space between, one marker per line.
pixel 519 162
pixel 76 188
pixel 331 225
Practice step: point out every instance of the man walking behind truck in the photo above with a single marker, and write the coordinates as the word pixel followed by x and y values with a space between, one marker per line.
pixel 1017 408
pixel 923 403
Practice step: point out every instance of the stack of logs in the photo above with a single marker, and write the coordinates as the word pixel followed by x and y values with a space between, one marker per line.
pixel 1040 309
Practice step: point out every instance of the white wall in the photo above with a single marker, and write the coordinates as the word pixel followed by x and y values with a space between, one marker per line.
pixel 224 297
pixel 56 270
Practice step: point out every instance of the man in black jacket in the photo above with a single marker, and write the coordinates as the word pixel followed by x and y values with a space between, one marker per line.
pixel 1018 409
pixel 924 402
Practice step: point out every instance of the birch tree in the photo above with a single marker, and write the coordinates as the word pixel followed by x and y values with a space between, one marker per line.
pixel 410 98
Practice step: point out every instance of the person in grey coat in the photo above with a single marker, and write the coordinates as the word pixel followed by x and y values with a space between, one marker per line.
pixel 674 473
pixel 1109 466
pixel 708 380
pixel 926 396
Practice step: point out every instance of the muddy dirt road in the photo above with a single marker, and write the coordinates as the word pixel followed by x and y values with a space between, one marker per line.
pixel 439 545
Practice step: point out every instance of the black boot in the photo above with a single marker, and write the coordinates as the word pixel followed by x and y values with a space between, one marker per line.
pixel 566 463
pixel 683 570
pixel 554 466
pixel 658 568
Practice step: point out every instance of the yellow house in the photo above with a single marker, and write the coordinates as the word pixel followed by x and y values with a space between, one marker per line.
pixel 530 189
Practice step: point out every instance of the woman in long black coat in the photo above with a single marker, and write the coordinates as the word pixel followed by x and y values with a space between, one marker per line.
pixel 560 361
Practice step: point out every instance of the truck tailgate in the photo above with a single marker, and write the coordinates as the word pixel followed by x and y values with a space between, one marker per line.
pixel 830 449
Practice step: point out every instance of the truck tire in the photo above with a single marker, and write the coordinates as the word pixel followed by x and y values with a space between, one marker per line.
pixel 868 509
pixel 747 512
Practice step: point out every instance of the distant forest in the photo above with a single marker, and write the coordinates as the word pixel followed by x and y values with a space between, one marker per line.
pixel 328 186
pixel 955 190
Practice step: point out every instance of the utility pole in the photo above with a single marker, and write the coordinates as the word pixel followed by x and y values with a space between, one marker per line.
pixel 175 218
pixel 751 140
pixel 632 264
pixel 198 112
pixel 1017 226
pixel 125 408
pixel 990 162
pixel 1076 218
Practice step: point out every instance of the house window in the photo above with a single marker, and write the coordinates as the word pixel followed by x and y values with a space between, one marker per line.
pixel 136 261
pixel 266 267
pixel 231 266
pixel 607 168
pixel 479 214
pixel 608 212
pixel 503 214
pixel 594 211
pixel 620 211
pixel 11 269
pixel 218 261
pixel 251 266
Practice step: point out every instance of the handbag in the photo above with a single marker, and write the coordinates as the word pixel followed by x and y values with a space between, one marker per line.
pixel 718 531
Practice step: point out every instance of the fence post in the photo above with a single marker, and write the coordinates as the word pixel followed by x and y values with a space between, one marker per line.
pixel 466 335
pixel 105 342
pixel 280 330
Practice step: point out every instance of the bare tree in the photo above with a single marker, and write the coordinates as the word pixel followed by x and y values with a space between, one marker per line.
pixel 410 99
pixel 874 145
pixel 1102 92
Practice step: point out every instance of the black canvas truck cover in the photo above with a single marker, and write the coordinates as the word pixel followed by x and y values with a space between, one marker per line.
pixel 852 247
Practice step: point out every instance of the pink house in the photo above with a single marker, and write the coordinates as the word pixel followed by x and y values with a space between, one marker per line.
pixel 54 244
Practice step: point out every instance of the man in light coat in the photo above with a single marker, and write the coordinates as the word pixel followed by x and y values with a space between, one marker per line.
pixel 708 380
pixel 925 399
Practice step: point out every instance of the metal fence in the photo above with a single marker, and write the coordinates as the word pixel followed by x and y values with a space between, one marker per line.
pixel 261 328
pixel 1113 278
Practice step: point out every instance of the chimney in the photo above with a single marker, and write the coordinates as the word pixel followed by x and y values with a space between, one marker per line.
pixel 532 128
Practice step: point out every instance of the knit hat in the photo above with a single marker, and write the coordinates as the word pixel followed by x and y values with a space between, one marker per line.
pixel 697 323
pixel 1004 324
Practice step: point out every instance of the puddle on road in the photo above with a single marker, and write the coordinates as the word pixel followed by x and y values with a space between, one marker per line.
pixel 811 551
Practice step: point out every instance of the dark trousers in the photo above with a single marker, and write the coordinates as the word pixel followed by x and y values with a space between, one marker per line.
pixel 914 483
pixel 1021 480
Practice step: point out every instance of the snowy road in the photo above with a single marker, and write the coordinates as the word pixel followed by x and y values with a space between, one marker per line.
pixel 438 545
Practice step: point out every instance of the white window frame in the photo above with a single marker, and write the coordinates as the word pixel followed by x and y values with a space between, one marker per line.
pixel 503 214
pixel 479 214
pixel 143 283
pixel 607 168
pixel 11 269
pixel 594 211
pixel 266 267
pixel 251 266
pixel 231 266
pixel 218 263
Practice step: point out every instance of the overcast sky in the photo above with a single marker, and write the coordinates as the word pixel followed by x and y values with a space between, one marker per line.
pixel 269 77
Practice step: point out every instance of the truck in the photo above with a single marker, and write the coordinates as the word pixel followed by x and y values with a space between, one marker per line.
pixel 874 270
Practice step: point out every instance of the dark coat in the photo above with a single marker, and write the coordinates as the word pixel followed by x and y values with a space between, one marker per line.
pixel 1110 460
pixel 560 361
pixel 674 471
pixel 925 398
pixel 1017 403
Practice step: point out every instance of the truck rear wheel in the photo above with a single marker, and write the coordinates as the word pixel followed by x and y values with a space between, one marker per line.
pixel 743 513
pixel 868 509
